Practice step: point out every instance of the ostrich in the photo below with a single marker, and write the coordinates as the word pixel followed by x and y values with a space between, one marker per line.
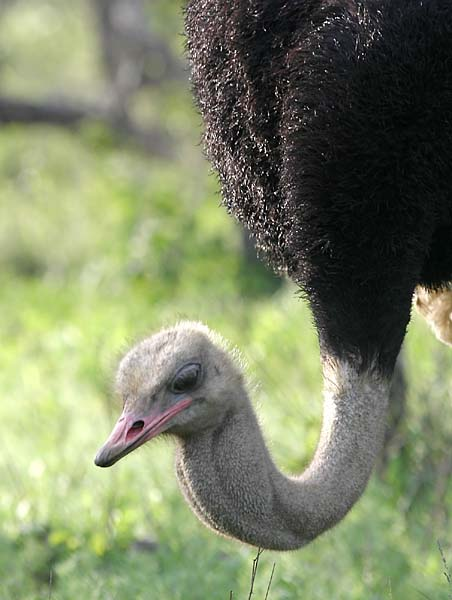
pixel 329 125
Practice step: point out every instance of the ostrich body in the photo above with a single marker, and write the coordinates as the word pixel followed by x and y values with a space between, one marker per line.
pixel 329 125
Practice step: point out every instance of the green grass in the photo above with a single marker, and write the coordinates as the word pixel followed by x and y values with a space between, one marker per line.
pixel 105 247
pixel 99 246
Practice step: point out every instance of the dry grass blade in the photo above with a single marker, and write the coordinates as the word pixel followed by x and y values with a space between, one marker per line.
pixel 50 584
pixel 254 571
pixel 270 581
pixel 447 573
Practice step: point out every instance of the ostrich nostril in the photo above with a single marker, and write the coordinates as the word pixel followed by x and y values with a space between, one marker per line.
pixel 136 428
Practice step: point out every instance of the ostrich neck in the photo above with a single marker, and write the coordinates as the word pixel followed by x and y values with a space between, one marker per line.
pixel 233 485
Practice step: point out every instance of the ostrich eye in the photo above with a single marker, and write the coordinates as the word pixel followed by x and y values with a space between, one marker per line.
pixel 186 379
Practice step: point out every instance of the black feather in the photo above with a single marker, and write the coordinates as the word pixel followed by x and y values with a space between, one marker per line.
pixel 330 126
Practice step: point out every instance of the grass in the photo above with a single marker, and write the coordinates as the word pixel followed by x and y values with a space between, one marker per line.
pixel 95 285
pixel 100 246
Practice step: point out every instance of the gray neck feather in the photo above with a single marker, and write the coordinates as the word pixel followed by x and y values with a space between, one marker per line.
pixel 233 485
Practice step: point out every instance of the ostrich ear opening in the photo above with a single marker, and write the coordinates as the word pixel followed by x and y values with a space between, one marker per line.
pixel 133 430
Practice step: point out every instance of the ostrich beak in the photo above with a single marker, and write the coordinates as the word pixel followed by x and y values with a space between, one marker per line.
pixel 132 430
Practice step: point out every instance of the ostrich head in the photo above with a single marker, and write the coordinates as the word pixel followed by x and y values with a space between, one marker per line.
pixel 183 381
pixel 179 381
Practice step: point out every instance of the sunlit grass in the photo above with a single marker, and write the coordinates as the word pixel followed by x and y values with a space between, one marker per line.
pixel 62 332
pixel 100 246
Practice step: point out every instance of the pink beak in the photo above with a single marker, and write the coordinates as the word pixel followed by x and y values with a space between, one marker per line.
pixel 131 431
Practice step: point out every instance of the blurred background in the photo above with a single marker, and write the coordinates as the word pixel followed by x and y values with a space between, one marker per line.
pixel 110 227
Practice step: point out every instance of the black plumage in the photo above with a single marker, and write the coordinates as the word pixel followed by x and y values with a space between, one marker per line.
pixel 330 126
